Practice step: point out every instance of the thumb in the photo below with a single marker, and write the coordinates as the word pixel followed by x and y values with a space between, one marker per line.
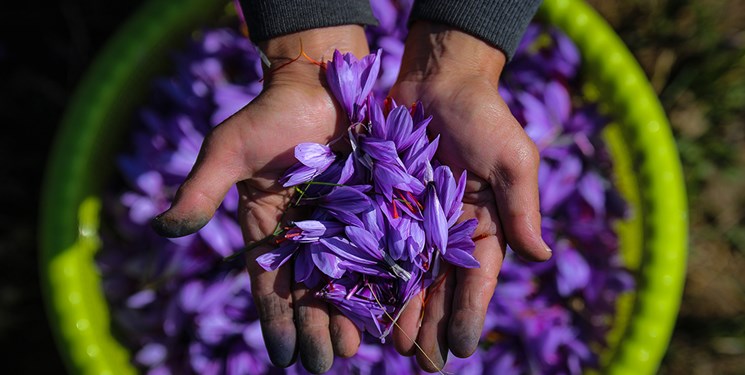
pixel 218 167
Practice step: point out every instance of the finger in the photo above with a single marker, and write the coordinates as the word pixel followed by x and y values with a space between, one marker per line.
pixel 345 337
pixel 433 333
pixel 271 292
pixel 218 167
pixel 515 185
pixel 312 322
pixel 475 286
pixel 407 328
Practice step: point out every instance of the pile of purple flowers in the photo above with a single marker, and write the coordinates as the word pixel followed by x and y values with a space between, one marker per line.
pixel 384 216
pixel 549 318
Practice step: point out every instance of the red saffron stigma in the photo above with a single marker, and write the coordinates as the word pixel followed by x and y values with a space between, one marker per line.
pixel 421 295
pixel 312 60
pixel 406 202
pixel 480 237
pixel 301 54
pixel 241 17
pixel 387 103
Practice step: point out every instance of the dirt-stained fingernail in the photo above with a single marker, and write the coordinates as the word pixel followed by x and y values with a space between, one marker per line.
pixel 167 226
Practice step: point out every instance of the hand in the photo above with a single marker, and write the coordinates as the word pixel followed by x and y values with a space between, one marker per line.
pixel 254 148
pixel 455 76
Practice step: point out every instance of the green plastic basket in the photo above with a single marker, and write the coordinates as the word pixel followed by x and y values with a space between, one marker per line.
pixel 647 170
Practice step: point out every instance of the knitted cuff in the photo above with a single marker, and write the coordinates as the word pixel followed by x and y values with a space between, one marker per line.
pixel 267 19
pixel 498 22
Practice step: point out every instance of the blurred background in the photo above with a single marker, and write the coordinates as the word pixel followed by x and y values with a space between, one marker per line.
pixel 693 52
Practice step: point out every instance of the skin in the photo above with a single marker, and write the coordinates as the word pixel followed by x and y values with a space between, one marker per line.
pixel 253 149
pixel 455 76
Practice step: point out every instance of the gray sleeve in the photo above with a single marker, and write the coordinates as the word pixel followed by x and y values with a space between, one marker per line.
pixel 498 22
pixel 270 18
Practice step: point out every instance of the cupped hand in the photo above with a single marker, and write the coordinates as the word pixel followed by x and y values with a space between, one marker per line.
pixel 253 149
pixel 455 76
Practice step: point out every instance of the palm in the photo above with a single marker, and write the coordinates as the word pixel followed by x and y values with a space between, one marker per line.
pixel 264 135
pixel 270 128
pixel 478 134
pixel 253 149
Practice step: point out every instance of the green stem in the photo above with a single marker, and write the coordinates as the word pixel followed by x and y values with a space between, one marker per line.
pixel 263 241
pixel 246 248
pixel 302 192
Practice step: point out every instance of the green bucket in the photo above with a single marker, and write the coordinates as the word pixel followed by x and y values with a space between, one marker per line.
pixel 647 171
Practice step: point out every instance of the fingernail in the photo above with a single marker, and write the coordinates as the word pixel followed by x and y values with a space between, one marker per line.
pixel 166 226
pixel 545 247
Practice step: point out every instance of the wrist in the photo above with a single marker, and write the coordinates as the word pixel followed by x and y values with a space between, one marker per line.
pixel 318 45
pixel 437 50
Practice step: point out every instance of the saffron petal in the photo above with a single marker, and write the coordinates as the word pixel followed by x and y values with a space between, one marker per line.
pixel 277 257
pixel 435 223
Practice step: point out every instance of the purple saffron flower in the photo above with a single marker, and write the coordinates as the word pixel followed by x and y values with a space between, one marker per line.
pixel 351 81
pixel 417 159
pixel 361 260
pixel 450 193
pixel 152 354
pixel 223 234
pixel 277 257
pixel 326 260
pixel 405 238
pixel 435 221
pixel 557 178
pixel 544 118
pixel 313 159
pixel 308 231
pixel 460 245
pixel 573 271
pixel 303 238
pixel 344 203
pixel 398 128
pixel 370 247
pixel 592 189
pixel 353 298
